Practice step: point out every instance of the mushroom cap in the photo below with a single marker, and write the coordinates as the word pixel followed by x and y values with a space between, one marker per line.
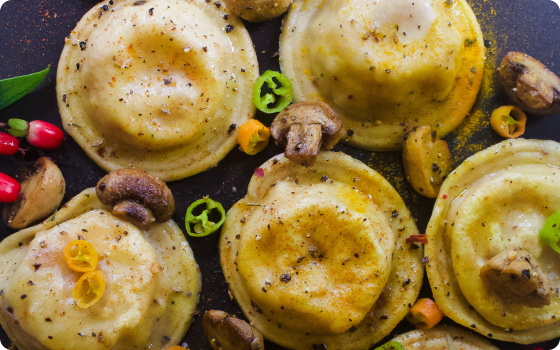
pixel 137 186
pixel 530 84
pixel 517 277
pixel 228 332
pixel 306 113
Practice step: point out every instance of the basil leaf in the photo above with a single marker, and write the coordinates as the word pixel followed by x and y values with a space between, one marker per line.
pixel 12 89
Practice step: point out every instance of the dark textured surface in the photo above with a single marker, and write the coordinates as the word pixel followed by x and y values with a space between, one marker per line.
pixel 32 37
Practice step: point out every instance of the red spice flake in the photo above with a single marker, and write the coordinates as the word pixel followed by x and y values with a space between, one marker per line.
pixel 259 172
pixel 417 239
pixel 444 196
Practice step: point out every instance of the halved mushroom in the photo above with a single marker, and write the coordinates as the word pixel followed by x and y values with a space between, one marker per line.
pixel 426 160
pixel 306 127
pixel 227 332
pixel 517 277
pixel 258 10
pixel 530 84
pixel 137 197
pixel 42 190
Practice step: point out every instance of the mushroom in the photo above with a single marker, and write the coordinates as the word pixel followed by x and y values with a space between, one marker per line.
pixel 530 84
pixel 516 276
pixel 227 332
pixel 426 160
pixel 258 10
pixel 42 190
pixel 305 127
pixel 137 197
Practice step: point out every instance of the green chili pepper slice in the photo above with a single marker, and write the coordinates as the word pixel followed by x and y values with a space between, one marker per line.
pixel 201 224
pixel 283 93
pixel 550 233
pixel 392 345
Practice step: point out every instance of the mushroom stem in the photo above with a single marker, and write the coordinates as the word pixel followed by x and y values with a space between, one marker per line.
pixel 303 140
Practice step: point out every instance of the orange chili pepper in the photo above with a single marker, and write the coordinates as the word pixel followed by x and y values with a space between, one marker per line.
pixel 424 314
pixel 508 121
pixel 89 289
pixel 253 136
pixel 80 256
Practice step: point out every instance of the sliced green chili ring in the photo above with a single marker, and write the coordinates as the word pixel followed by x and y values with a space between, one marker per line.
pixel 392 345
pixel 550 233
pixel 201 224
pixel 282 95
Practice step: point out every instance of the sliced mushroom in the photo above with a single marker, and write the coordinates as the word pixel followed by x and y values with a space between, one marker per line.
pixel 426 160
pixel 530 84
pixel 137 197
pixel 42 190
pixel 305 128
pixel 258 10
pixel 227 332
pixel 516 276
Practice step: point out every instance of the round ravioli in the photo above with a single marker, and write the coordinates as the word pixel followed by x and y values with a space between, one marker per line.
pixel 495 204
pixel 385 66
pixel 158 85
pixel 317 255
pixel 152 283
pixel 443 338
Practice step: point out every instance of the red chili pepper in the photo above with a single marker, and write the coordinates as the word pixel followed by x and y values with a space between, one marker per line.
pixel 9 189
pixel 259 172
pixel 38 133
pixel 417 239
pixel 44 135
pixel 9 144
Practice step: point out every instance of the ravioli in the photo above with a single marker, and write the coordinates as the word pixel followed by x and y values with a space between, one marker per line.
pixel 317 255
pixel 385 66
pixel 152 283
pixel 158 85
pixel 497 199
pixel 443 338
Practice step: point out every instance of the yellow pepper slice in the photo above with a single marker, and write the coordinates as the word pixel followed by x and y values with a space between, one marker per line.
pixel 80 256
pixel 253 136
pixel 508 121
pixel 89 289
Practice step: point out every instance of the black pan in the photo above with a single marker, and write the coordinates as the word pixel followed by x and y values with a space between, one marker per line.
pixel 32 36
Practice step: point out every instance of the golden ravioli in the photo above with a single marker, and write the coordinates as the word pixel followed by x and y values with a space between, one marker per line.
pixel 158 85
pixel 152 283
pixel 443 338
pixel 318 256
pixel 497 199
pixel 385 66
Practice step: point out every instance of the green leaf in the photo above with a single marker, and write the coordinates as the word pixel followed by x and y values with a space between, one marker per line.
pixel 18 124
pixel 13 89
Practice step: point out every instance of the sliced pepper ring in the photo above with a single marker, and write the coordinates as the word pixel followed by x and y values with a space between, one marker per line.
pixel 201 223
pixel 80 256
pixel 253 136
pixel 508 121
pixel 284 93
pixel 550 233
pixel 89 289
